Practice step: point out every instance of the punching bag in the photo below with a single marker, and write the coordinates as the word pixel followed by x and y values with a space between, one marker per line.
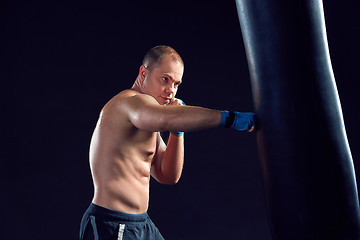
pixel 307 168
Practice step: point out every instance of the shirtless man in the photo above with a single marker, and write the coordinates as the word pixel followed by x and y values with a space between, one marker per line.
pixel 126 147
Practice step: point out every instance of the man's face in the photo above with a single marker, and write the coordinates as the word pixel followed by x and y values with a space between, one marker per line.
pixel 163 81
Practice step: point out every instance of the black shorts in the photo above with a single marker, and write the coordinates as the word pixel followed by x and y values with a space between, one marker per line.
pixel 99 223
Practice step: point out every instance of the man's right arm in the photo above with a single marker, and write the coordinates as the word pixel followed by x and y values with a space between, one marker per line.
pixel 145 113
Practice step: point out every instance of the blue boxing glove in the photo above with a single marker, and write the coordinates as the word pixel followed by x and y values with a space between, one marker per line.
pixel 238 120
pixel 178 133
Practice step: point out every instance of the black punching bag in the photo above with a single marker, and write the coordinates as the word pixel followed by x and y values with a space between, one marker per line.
pixel 306 162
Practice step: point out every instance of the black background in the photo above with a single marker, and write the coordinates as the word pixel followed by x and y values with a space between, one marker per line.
pixel 61 61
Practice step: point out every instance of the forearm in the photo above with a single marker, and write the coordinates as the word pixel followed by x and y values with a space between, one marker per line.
pixel 190 118
pixel 173 159
pixel 176 118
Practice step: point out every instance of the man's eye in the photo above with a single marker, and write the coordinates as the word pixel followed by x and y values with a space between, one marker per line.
pixel 164 79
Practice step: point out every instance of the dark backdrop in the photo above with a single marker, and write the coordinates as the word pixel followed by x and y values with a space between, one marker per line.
pixel 62 60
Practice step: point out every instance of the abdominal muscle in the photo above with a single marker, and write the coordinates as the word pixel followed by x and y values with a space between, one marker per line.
pixel 121 187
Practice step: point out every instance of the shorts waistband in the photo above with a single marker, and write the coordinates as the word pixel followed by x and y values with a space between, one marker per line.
pixel 97 210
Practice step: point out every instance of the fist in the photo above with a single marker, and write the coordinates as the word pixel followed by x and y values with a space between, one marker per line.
pixel 176 101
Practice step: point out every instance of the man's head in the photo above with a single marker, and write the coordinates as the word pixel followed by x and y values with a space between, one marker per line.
pixel 155 56
pixel 160 74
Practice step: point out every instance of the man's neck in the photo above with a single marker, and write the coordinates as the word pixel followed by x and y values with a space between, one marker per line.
pixel 136 86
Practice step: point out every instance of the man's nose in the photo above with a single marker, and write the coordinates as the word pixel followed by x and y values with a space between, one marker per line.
pixel 170 88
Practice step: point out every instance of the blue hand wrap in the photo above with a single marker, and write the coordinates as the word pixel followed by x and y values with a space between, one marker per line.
pixel 178 133
pixel 224 115
pixel 237 120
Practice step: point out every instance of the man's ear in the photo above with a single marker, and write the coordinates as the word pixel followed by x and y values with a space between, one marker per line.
pixel 143 71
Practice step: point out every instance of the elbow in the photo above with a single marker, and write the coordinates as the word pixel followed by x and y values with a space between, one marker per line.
pixel 149 121
pixel 170 181
pixel 166 179
pixel 174 181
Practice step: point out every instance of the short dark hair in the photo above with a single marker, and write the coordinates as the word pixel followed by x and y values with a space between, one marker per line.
pixel 156 54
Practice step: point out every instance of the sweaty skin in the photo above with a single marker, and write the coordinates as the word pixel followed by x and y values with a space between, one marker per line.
pixel 126 147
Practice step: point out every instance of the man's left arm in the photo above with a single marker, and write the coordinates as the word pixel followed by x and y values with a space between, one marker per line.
pixel 169 160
